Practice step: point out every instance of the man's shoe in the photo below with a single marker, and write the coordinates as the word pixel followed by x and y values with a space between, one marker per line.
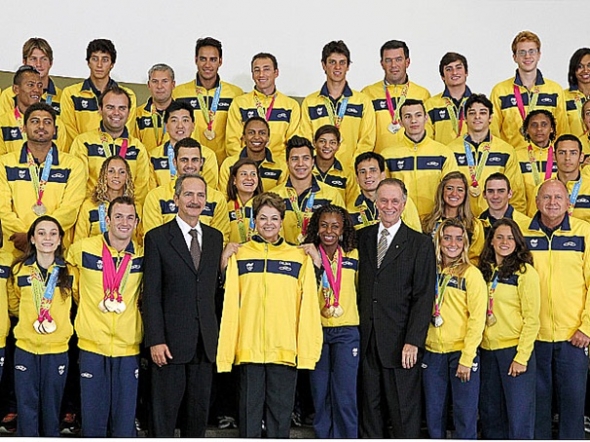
pixel 8 424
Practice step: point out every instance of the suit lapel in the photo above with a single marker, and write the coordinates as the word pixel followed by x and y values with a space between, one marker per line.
pixel 396 246
pixel 371 245
pixel 179 244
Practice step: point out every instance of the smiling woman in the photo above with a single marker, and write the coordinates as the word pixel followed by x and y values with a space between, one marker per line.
pixel 268 333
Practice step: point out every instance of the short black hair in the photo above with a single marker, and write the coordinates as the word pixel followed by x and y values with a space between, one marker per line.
pixel 208 41
pixel 497 176
pixel 126 200
pixel 189 143
pixel 568 137
pixel 412 102
pixel 481 99
pixel 101 45
pixel 395 44
pixel 366 156
pixel 336 47
pixel 296 142
pixel 265 55
pixel 115 90
pixel 451 57
pixel 41 106
pixel 176 106
pixel 20 73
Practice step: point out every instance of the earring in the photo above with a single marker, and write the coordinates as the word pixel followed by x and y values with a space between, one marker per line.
pixel 341 238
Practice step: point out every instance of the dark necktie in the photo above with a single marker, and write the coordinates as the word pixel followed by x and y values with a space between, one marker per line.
pixel 382 246
pixel 195 248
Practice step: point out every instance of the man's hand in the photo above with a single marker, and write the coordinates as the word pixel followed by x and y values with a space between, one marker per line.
pixel 463 373
pixel 160 354
pixel 579 340
pixel 409 355
pixel 20 240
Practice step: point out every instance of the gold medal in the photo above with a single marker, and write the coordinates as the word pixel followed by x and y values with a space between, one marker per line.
pixel 474 191
pixel 300 238
pixel 209 134
pixel 490 319
pixel 39 209
pixel 338 311
pixel 437 320
pixel 394 127
pixel 326 313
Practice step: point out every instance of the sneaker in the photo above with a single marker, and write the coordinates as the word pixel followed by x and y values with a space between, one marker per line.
pixel 69 425
pixel 295 419
pixel 8 424
pixel 226 422
pixel 587 424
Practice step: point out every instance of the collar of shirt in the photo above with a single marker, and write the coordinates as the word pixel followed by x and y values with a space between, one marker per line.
pixel 392 231
pixel 185 229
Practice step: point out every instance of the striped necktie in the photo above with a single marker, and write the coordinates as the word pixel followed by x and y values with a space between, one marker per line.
pixel 382 246
pixel 195 248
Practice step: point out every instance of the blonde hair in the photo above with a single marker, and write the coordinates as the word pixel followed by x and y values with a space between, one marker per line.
pixel 525 36
pixel 100 193
pixel 464 212
pixel 460 265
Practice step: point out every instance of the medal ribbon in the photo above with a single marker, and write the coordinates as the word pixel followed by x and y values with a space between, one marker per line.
pixel 398 103
pixel 334 283
pixel 260 107
pixel 456 120
pixel 39 183
pixel 114 279
pixel 209 114
pixel 19 120
pixel 440 288
pixel 107 147
pixel 43 294
pixel 240 215
pixel 476 171
pixel 491 292
pixel 49 99
pixel 336 119
pixel 302 220
pixel 156 119
pixel 102 214
pixel 574 196
pixel 533 97
pixel 534 167
pixel 549 164
pixel 170 153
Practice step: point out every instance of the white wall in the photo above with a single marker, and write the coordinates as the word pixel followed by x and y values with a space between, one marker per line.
pixel 148 32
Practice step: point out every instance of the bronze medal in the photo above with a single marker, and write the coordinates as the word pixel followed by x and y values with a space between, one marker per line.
pixel 209 134
pixel 326 313
pixel 39 209
pixel 491 319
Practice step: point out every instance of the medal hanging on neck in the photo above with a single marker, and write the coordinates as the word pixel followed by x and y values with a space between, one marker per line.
pixel 170 154
pixel 336 118
pixel 533 96
pixel 19 121
pixel 490 317
pixel 331 284
pixel 156 121
pixel 114 280
pixel 574 196
pixel 39 182
pixel 440 288
pixel 395 125
pixel 302 217
pixel 534 166
pixel 475 171
pixel 42 299
pixel 209 113
pixel 456 114
pixel 260 108
pixel 106 146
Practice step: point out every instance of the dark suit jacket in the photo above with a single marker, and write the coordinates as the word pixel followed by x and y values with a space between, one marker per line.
pixel 396 300
pixel 179 300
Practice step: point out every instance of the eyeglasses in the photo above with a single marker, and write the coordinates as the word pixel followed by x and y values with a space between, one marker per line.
pixel 531 52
